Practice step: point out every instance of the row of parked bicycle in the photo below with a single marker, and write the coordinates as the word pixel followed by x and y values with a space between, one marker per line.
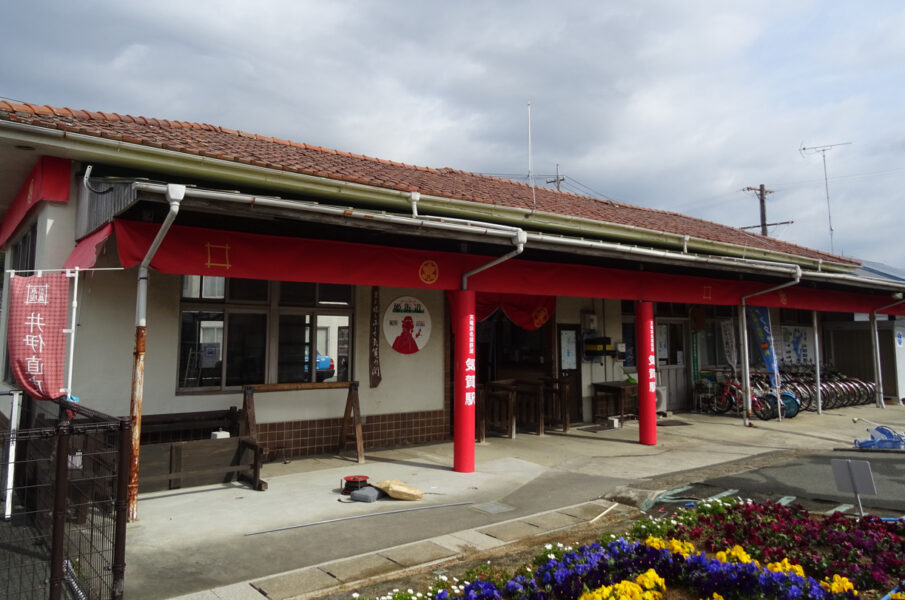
pixel 798 392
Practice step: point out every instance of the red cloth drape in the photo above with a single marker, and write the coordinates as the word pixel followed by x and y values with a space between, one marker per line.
pixel 527 311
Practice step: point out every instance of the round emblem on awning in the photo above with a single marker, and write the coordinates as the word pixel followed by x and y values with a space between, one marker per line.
pixel 429 272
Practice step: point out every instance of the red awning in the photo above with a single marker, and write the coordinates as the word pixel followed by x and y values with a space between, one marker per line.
pixel 47 182
pixel 85 253
pixel 199 251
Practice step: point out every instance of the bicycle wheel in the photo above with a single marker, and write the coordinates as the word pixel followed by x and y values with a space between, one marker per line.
pixel 790 405
pixel 721 403
pixel 764 407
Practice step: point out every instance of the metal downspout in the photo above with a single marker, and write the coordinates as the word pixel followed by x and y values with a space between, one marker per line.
pixel 746 370
pixel 175 194
pixel 875 347
pixel 519 239
pixel 817 363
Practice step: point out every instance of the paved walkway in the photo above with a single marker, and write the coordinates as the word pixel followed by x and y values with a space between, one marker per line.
pixel 302 537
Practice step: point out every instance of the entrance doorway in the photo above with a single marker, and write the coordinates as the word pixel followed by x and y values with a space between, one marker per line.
pixel 506 351
pixel 673 362
pixel 569 367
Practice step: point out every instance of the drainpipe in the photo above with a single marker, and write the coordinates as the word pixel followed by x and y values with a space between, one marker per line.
pixel 519 239
pixel 415 197
pixel 817 362
pixel 875 346
pixel 175 193
pixel 743 325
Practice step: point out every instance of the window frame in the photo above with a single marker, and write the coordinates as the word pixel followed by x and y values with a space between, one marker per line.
pixel 272 310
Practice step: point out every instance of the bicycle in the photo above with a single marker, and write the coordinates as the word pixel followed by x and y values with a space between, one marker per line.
pixel 731 397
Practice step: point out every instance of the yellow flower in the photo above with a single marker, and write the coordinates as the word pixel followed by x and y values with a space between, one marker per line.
pixel 655 542
pixel 681 547
pixel 785 566
pixel 838 585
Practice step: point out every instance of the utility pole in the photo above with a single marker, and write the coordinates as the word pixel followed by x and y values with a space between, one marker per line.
pixel 557 180
pixel 762 192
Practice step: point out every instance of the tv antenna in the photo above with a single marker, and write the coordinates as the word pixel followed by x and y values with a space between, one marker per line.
pixel 822 150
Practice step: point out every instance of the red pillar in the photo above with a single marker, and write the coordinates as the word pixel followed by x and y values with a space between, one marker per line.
pixel 646 350
pixel 463 308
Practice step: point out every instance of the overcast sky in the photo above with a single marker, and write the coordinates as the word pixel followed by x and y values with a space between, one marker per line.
pixel 666 104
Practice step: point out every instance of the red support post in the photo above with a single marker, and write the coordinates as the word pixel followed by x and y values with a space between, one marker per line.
pixel 465 379
pixel 647 372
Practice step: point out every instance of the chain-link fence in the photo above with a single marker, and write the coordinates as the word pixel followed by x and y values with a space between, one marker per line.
pixel 65 471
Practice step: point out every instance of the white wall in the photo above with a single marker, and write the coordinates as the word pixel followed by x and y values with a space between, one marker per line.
pixel 410 382
pixel 106 338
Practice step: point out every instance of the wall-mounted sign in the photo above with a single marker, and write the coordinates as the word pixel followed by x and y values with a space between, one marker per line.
pixel 407 325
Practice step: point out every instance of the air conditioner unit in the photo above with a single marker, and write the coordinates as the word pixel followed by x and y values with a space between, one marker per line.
pixel 662 399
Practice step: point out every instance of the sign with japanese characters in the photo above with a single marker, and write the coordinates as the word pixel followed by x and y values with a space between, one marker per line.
pixel 36 340
pixel 407 325
pixel 798 345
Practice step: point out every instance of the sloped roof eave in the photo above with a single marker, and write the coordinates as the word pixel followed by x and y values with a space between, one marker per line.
pixel 87 147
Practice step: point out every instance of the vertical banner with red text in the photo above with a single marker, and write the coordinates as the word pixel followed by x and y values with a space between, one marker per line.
pixel 463 313
pixel 647 372
pixel 37 343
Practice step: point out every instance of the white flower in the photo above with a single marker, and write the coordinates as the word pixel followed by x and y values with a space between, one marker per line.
pixel 355 594
pixel 444 578
pixel 551 556
pixel 410 591
pixel 548 546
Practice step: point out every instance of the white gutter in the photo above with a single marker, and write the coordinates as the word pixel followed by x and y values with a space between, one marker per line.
pixel 875 347
pixel 519 240
pixel 746 368
pixel 476 228
pixel 727 262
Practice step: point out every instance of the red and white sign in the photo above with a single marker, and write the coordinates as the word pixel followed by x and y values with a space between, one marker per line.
pixel 36 340
pixel 407 325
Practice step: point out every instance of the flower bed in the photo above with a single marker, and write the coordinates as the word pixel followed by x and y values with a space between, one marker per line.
pixel 720 550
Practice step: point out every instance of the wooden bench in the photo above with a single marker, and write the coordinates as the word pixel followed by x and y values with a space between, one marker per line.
pixel 175 465
pixel 190 462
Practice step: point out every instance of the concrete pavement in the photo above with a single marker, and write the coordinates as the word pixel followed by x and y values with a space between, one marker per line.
pixel 302 537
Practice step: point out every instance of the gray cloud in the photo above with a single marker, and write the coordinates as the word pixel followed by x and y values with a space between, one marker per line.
pixel 669 105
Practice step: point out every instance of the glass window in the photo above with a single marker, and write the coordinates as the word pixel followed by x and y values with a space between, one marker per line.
pixel 294 349
pixel 329 293
pixel 226 343
pixel 293 293
pixel 201 348
pixel 246 349
pixel 197 286
pixel 248 290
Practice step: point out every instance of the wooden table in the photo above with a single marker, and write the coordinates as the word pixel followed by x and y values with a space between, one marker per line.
pixel 613 392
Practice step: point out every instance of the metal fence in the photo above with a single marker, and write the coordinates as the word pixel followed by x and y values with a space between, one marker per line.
pixel 65 475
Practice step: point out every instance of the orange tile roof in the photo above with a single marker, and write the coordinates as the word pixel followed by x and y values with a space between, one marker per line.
pixel 247 148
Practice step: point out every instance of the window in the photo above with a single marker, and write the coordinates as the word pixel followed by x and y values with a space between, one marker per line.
pixel 712 341
pixel 236 332
pixel 22 258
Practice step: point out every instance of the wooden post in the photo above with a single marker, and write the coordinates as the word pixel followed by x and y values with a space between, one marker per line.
pixel 354 411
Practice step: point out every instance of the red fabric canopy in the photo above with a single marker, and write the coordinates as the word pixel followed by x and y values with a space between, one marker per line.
pixel 84 256
pixel 199 251
pixel 527 311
